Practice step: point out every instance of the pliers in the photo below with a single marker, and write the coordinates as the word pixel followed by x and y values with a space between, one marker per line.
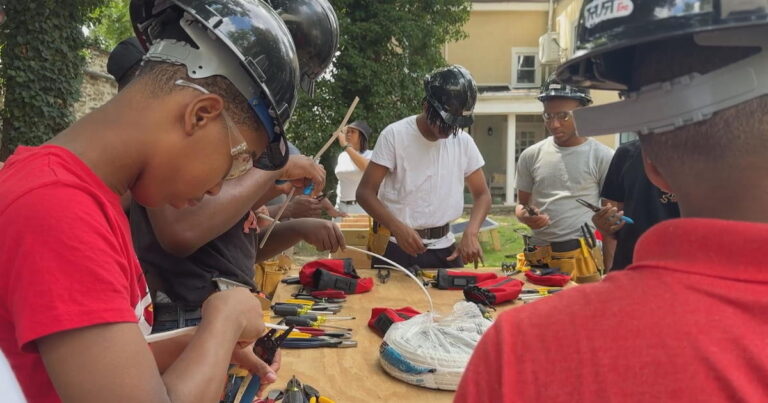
pixel 316 342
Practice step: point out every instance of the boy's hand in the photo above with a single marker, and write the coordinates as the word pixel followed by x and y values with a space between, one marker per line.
pixel 267 374
pixel 608 219
pixel 409 240
pixel 303 206
pixel 300 167
pixel 322 234
pixel 342 137
pixel 240 305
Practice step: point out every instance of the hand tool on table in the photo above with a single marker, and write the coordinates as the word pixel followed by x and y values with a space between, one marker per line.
pixel 313 331
pixel 309 189
pixel 304 322
pixel 597 209
pixel 318 318
pixel 327 295
pixel 383 274
pixel 265 348
pixel 292 310
pixel 314 307
pixel 314 395
pixel 509 269
pixel 317 342
pixel 294 393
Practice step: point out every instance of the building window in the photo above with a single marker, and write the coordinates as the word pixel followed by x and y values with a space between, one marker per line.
pixel 626 137
pixel 526 72
pixel 525 139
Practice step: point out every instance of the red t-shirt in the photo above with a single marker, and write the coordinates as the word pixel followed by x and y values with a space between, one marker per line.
pixel 687 322
pixel 66 259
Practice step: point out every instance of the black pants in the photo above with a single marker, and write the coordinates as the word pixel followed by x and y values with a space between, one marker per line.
pixel 431 259
pixel 170 316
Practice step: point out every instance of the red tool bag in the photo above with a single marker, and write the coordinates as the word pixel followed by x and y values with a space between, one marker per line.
pixel 457 280
pixel 550 280
pixel 334 274
pixel 494 292
pixel 383 318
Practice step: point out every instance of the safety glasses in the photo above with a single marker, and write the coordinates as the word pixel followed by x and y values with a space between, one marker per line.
pixel 560 116
pixel 242 159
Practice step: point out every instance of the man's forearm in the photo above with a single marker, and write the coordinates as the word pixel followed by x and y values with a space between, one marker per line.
pixel 480 209
pixel 609 249
pixel 283 236
pixel 183 231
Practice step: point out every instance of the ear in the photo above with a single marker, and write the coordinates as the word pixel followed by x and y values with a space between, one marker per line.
pixel 203 110
pixel 654 175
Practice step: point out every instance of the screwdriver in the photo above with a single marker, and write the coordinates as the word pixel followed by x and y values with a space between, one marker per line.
pixel 300 321
pixel 314 307
pixel 292 310
pixel 322 319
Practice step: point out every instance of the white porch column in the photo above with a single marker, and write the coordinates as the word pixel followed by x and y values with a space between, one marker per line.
pixel 511 166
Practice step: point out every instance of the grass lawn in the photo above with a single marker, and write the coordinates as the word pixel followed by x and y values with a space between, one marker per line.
pixel 511 241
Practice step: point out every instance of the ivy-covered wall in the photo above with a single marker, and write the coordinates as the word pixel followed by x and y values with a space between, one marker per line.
pixel 42 68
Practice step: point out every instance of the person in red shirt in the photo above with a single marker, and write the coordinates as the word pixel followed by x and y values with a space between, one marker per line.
pixel 74 308
pixel 687 321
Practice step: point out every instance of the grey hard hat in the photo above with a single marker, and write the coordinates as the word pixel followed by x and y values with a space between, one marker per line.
pixel 315 30
pixel 244 41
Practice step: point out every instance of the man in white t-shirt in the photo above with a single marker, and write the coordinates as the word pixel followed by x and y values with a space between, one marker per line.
pixel 424 162
pixel 556 171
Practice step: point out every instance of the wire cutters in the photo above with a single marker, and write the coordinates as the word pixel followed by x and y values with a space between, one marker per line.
pixel 265 348
pixel 597 209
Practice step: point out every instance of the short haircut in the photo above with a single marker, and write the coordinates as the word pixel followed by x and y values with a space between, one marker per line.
pixel 161 76
pixel 727 138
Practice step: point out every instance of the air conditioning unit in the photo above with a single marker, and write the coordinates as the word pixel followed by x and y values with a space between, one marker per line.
pixel 549 48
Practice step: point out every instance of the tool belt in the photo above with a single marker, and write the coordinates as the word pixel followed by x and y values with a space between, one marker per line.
pixel 334 274
pixel 494 292
pixel 178 314
pixel 573 257
pixel 434 232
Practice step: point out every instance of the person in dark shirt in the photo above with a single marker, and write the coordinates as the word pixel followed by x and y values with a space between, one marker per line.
pixel 627 191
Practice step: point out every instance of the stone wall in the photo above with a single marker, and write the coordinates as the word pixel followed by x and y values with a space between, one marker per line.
pixel 98 86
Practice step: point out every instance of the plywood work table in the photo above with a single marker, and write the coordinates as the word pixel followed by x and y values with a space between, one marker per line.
pixel 351 375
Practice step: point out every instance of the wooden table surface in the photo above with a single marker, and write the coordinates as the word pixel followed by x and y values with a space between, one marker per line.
pixel 351 375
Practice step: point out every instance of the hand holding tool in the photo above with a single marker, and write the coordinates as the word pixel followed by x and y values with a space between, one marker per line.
pixel 336 133
pixel 597 209
pixel 265 348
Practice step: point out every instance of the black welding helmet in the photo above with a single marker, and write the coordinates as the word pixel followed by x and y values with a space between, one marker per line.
pixel 610 31
pixel 452 92
pixel 315 31
pixel 554 88
pixel 244 41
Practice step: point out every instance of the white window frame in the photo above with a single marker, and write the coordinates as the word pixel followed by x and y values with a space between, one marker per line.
pixel 526 52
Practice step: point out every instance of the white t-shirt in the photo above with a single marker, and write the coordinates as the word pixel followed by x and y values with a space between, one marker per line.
pixel 425 184
pixel 349 175
pixel 10 391
pixel 557 176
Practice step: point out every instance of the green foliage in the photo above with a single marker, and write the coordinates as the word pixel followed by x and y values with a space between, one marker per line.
pixel 111 24
pixel 42 66
pixel 386 48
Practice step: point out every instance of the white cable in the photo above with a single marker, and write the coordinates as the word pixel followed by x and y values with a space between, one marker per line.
pixel 191 329
pixel 401 268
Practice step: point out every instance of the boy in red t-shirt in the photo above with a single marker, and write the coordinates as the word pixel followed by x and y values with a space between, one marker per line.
pixel 71 289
